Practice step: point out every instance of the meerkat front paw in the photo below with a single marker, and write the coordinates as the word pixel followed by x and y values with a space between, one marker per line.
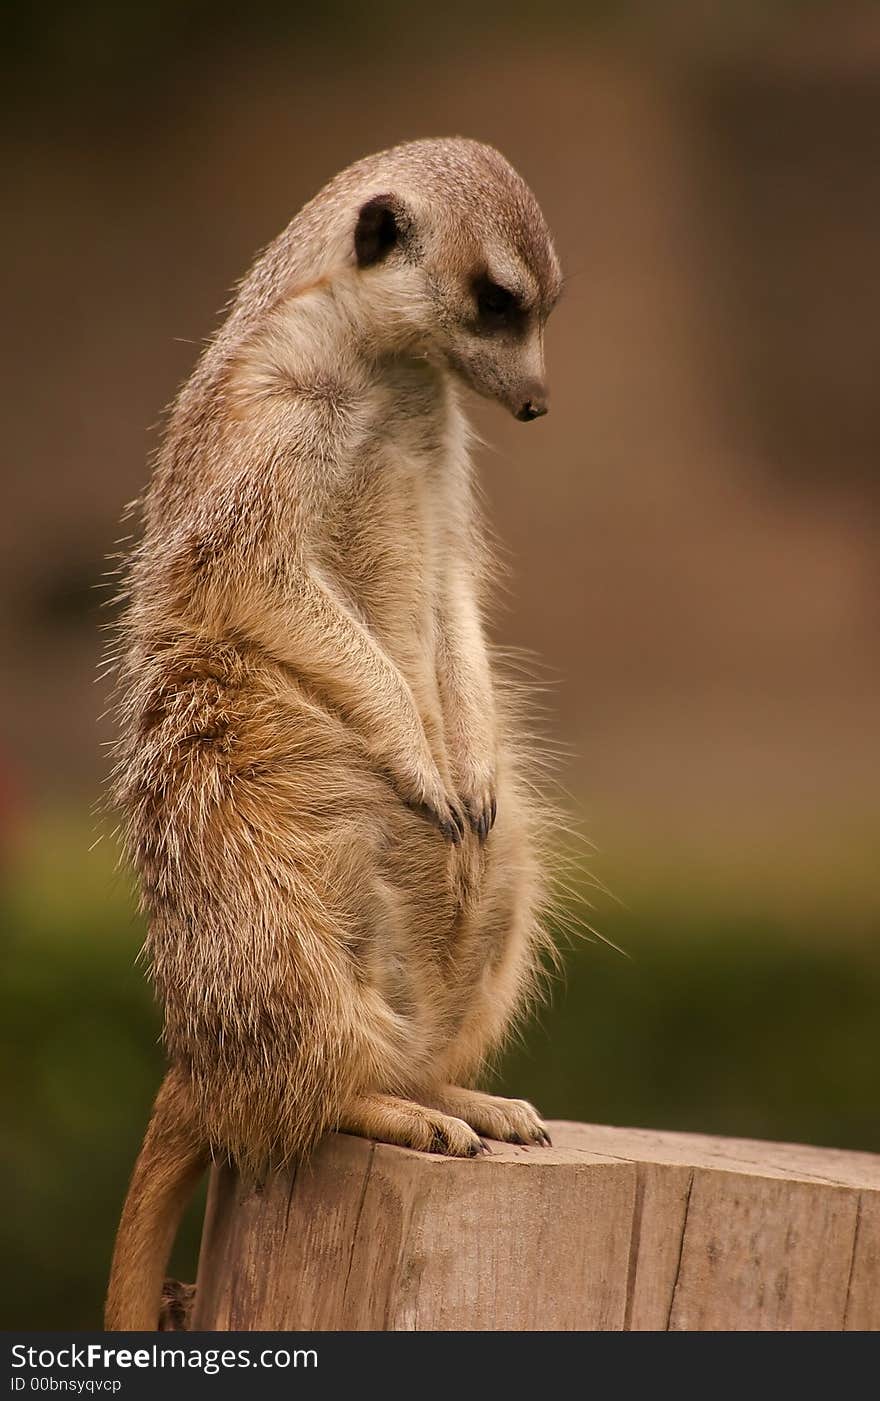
pixel 445 815
pixel 481 811
pixel 477 795
pixel 426 795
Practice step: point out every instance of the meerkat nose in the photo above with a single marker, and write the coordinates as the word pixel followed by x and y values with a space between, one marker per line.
pixel 533 407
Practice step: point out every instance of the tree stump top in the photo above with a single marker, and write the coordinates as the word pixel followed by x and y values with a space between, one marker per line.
pixel 609 1229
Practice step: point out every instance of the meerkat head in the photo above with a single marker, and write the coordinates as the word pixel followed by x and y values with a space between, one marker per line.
pixel 454 260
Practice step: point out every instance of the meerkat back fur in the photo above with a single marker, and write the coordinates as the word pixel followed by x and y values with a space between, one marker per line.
pixel 325 797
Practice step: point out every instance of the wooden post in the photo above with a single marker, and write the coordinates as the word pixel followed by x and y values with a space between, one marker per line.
pixel 609 1229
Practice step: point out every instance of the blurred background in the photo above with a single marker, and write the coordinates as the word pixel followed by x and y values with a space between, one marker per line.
pixel 692 533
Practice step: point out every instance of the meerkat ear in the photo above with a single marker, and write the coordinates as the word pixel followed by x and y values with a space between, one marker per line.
pixel 382 224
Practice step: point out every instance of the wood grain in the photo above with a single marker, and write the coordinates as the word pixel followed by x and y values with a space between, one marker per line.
pixel 611 1229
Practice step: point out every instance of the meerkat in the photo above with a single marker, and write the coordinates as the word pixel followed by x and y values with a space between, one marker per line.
pixel 325 797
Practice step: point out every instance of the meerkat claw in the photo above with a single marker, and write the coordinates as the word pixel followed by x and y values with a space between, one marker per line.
pixel 481 817
pixel 452 832
pixel 451 826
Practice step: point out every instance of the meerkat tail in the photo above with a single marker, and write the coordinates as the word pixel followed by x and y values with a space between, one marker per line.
pixel 170 1163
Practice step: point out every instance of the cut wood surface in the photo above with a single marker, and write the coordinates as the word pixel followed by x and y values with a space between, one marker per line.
pixel 609 1229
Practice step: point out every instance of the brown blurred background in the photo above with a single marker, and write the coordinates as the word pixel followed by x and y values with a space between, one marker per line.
pixel 693 532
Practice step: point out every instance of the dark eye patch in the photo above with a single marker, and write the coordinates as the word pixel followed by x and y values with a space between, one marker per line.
pixel 497 307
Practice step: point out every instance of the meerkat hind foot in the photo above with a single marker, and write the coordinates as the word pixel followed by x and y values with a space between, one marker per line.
pixel 505 1120
pixel 410 1125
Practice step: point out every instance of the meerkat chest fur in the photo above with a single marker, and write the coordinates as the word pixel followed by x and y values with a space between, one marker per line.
pixel 395 535
pixel 372 474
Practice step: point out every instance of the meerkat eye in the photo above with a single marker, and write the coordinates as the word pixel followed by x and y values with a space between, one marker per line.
pixel 497 306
